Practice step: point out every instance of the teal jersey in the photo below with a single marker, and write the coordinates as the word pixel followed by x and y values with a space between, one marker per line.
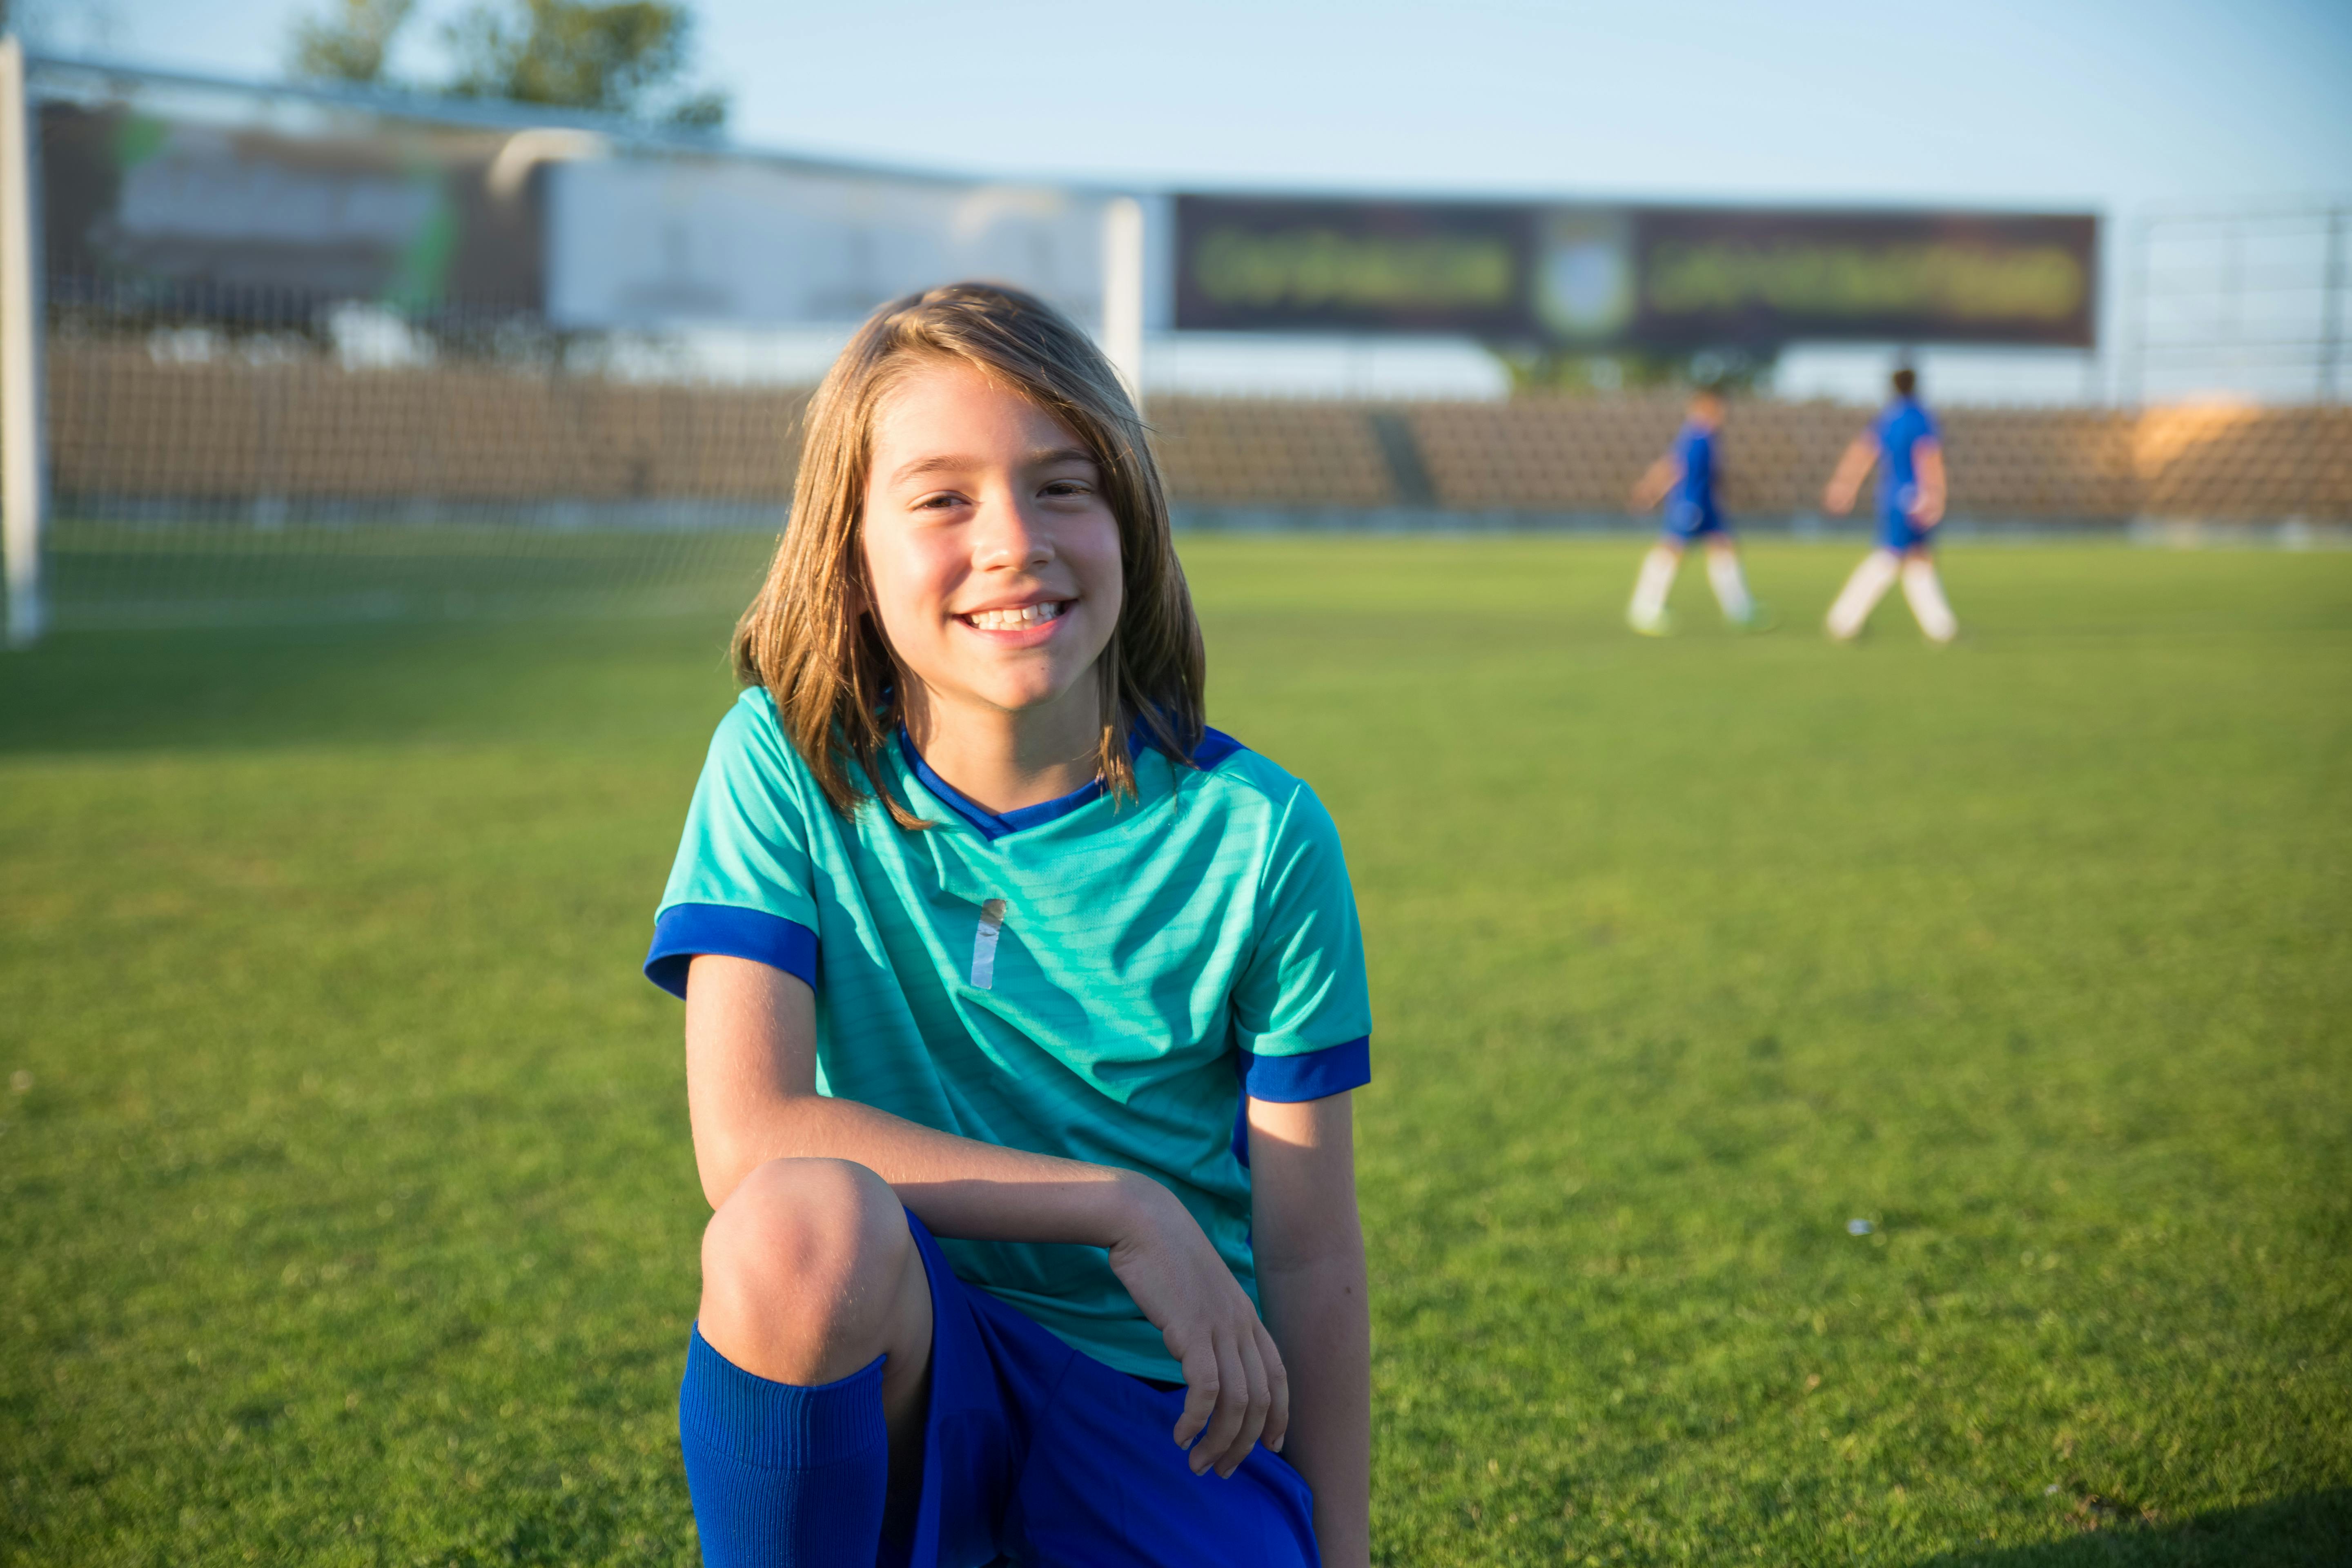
pixel 1096 978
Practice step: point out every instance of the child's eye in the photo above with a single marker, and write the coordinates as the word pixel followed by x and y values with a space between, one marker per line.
pixel 1069 488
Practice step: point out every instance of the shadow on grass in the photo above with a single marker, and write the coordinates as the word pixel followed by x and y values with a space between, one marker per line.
pixel 260 688
pixel 2313 1531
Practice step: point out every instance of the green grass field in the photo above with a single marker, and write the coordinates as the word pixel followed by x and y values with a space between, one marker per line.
pixel 347 1213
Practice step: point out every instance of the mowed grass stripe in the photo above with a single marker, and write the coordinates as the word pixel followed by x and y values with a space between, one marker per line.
pixel 349 1214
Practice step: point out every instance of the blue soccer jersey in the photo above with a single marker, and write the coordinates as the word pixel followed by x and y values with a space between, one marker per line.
pixel 1695 450
pixel 1095 978
pixel 1900 427
pixel 1691 510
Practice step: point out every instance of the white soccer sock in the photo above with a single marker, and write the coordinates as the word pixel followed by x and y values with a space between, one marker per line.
pixel 1862 593
pixel 1649 589
pixel 1925 590
pixel 1730 586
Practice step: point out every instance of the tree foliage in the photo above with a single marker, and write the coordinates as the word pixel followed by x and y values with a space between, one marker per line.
pixel 628 56
pixel 625 58
pixel 1551 370
pixel 350 42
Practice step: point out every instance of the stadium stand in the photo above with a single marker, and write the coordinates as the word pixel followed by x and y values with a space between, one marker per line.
pixel 1582 454
pixel 135 433
pixel 2242 461
pixel 132 435
pixel 1218 451
pixel 1577 455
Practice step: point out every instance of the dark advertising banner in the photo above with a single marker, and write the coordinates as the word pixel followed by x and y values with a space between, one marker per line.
pixel 406 215
pixel 1247 264
pixel 1635 277
pixel 1711 275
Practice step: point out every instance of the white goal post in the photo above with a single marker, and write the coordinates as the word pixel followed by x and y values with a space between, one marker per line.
pixel 20 355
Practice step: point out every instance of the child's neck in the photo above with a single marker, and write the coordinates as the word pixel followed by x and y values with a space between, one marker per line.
pixel 1002 760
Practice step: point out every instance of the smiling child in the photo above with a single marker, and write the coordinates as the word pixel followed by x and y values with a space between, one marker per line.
pixel 1022 1011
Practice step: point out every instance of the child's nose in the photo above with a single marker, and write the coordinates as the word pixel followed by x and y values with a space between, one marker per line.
pixel 1009 535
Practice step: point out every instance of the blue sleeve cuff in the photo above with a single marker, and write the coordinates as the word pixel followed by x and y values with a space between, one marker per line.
pixel 1310 1075
pixel 683 932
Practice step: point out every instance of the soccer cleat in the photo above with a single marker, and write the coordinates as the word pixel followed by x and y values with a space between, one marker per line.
pixel 1660 624
pixel 1757 619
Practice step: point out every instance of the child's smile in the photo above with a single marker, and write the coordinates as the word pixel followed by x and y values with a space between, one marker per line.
pixel 1021 623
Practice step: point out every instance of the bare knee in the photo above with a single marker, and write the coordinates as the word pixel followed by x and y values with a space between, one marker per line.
pixel 802 1269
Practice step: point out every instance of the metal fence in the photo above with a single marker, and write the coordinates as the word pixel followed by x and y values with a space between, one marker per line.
pixel 2249 302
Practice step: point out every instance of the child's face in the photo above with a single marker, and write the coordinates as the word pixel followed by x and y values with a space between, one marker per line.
pixel 992 554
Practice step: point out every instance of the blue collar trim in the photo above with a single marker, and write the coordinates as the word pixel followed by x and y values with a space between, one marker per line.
pixel 1214 748
pixel 993 825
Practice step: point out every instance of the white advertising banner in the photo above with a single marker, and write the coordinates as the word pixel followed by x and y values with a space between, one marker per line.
pixel 648 243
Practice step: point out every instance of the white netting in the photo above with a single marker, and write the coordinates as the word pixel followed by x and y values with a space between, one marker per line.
pixel 233 462
pixel 311 356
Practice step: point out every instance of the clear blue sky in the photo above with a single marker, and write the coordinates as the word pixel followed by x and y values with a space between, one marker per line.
pixel 2097 102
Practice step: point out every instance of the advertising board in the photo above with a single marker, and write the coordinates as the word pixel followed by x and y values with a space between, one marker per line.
pixel 641 242
pixel 397 213
pixel 1619 276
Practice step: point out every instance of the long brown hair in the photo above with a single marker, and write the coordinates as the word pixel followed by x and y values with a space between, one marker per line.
pixel 826 665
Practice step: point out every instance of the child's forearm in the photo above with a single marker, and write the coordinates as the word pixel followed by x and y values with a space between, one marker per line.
pixel 1854 466
pixel 1929 509
pixel 1652 487
pixel 751 1080
pixel 957 1186
pixel 1321 1322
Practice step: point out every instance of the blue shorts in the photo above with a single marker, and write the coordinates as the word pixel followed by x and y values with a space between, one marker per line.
pixel 1898 533
pixel 1037 1452
pixel 1687 520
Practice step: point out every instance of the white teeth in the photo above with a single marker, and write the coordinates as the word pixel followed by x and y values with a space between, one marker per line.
pixel 1014 620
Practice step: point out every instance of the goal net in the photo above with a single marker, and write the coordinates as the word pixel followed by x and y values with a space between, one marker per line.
pixel 310 354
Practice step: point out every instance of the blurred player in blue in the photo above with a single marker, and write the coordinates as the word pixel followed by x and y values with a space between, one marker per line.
pixel 1904 443
pixel 1685 480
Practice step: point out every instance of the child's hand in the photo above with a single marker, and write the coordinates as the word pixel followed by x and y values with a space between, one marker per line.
pixel 1237 1391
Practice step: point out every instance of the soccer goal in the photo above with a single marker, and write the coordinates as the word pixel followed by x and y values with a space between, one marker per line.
pixel 278 352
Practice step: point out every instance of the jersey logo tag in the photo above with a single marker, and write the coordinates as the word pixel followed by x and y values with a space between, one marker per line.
pixel 984 945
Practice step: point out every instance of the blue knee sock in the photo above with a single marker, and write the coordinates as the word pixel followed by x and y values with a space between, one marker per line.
pixel 783 1477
